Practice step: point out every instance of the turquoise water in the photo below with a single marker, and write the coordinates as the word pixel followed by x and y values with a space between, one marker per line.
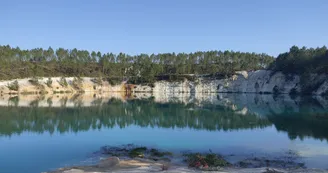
pixel 35 137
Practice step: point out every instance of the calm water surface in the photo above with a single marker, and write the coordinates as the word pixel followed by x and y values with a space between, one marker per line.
pixel 44 133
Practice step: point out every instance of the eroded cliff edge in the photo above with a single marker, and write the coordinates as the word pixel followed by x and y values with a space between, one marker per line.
pixel 261 81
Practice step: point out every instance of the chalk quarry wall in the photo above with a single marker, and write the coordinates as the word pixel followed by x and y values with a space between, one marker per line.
pixel 261 81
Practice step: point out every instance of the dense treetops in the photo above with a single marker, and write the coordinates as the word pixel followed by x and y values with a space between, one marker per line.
pixel 302 61
pixel 143 68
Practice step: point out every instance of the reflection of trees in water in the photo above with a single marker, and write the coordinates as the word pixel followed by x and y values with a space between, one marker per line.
pixel 143 113
pixel 302 124
pixel 309 120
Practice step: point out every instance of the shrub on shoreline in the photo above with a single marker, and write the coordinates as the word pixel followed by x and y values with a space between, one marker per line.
pixel 77 83
pixel 49 82
pixel 97 81
pixel 35 81
pixel 13 86
pixel 63 82
pixel 205 161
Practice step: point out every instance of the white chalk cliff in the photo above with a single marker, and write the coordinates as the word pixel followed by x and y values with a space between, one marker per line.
pixel 261 81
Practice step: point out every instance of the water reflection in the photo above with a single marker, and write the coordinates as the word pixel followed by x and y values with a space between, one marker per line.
pixel 299 117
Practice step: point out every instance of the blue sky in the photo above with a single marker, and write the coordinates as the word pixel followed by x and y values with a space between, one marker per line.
pixel 157 26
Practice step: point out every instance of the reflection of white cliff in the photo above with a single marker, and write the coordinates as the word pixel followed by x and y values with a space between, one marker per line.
pixel 259 104
pixel 58 100
pixel 266 104
pixel 243 104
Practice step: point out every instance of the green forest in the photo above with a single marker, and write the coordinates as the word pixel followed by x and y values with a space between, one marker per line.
pixel 144 68
pixel 302 61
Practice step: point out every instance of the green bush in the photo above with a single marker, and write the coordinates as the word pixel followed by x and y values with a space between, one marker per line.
pixel 97 81
pixel 208 160
pixel 13 86
pixel 157 153
pixel 34 81
pixel 77 83
pixel 63 82
pixel 114 81
pixel 49 82
pixel 138 152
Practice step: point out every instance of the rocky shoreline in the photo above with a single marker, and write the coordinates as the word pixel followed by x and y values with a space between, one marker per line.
pixel 261 81
pixel 131 158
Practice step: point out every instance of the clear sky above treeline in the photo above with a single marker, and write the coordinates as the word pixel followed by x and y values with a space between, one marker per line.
pixel 160 26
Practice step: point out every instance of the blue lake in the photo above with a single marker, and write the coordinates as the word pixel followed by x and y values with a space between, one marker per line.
pixel 45 133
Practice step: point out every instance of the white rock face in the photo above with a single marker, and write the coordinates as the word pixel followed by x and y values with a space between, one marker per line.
pixel 244 73
pixel 207 86
pixel 142 88
pixel 174 87
pixel 261 81
pixel 25 86
pixel 200 86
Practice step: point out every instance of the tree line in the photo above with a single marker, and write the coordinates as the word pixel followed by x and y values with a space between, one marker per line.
pixel 142 68
pixel 302 61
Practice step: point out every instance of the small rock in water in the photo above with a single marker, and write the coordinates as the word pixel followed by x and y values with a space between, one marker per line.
pixel 110 162
pixel 272 171
pixel 74 171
